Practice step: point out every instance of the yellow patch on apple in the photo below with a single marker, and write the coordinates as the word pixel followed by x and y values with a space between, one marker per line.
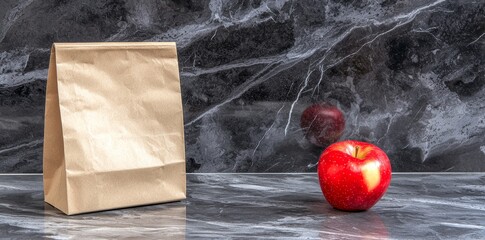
pixel 372 176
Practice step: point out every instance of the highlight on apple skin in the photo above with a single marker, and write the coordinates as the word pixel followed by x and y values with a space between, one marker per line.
pixel 353 175
pixel 322 123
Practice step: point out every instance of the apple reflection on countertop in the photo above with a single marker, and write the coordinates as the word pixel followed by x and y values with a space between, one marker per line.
pixel 266 206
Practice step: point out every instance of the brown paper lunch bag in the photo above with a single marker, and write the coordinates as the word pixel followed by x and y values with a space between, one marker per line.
pixel 113 134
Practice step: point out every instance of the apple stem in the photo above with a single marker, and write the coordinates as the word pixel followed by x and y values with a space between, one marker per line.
pixel 356 151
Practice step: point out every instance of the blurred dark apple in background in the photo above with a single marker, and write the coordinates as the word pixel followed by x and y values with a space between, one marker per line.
pixel 322 123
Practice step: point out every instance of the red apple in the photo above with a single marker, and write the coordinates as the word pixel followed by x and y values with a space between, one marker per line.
pixel 322 123
pixel 353 175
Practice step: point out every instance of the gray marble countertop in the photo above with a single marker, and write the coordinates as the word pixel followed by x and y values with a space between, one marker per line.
pixel 267 206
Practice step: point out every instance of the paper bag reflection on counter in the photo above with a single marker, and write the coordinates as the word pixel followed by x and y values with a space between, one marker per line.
pixel 113 132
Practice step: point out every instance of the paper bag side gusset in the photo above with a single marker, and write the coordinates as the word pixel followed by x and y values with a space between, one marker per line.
pixel 54 172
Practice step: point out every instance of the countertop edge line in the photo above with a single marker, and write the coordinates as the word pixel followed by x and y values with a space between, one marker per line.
pixel 291 173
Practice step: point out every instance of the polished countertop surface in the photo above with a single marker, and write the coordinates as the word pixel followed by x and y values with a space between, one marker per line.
pixel 266 206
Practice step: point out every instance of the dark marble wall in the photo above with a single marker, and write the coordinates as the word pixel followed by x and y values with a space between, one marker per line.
pixel 408 75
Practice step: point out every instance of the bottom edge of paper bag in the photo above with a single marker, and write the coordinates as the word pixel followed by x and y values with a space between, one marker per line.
pixel 70 213
pixel 53 205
